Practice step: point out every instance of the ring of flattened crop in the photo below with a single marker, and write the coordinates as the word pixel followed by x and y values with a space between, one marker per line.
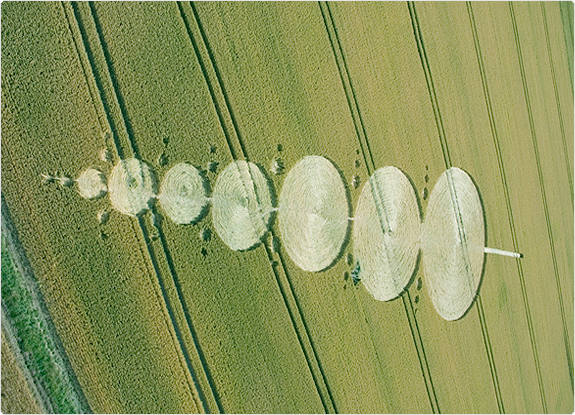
pixel 386 233
pixel 132 187
pixel 242 205
pixel 313 213
pixel 453 244
pixel 92 184
pixel 183 194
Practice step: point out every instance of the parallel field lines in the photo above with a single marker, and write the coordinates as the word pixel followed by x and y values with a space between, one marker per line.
pixel 557 99
pixel 544 197
pixel 448 163
pixel 346 81
pixel 237 149
pixel 507 200
pixel 446 50
pixel 119 127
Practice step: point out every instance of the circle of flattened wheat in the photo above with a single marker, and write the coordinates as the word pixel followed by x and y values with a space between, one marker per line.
pixel 313 213
pixel 242 205
pixel 92 184
pixel 183 194
pixel 386 233
pixel 132 187
pixel 453 243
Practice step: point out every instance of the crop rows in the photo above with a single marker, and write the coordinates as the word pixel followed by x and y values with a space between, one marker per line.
pixel 160 317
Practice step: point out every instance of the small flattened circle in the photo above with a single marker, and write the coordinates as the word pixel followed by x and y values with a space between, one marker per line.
pixel 183 194
pixel 242 205
pixel 92 184
pixel 132 187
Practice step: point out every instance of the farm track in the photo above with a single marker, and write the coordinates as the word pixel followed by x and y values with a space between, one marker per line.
pixel 361 134
pixel 430 85
pixel 27 292
pixel 507 204
pixel 543 194
pixel 447 158
pixel 237 148
pixel 122 127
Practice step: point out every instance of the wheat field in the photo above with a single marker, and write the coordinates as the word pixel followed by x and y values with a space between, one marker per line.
pixel 149 305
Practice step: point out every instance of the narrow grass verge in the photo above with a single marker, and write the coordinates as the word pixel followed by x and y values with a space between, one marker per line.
pixel 26 315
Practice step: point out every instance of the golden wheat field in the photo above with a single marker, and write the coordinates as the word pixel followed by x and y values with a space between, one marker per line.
pixel 214 207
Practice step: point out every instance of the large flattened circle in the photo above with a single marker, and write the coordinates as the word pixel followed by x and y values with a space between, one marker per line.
pixel 183 194
pixel 132 187
pixel 242 205
pixel 453 244
pixel 386 233
pixel 313 213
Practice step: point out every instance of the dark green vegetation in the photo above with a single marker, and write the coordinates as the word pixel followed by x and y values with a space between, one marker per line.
pixel 155 318
pixel 26 322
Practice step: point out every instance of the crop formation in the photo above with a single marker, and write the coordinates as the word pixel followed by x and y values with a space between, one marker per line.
pixel 255 207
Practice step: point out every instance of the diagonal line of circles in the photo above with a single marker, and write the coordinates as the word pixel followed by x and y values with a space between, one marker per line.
pixel 314 220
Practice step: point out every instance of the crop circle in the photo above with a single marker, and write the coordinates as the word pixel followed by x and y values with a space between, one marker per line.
pixel 313 213
pixel 386 233
pixel 92 184
pixel 132 187
pixel 183 194
pixel 242 205
pixel 453 244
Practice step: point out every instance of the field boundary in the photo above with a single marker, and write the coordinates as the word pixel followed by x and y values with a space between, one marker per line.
pixel 37 392
pixel 447 158
pixel 56 367
pixel 233 136
pixel 543 193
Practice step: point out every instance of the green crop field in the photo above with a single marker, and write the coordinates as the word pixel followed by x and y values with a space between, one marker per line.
pixel 110 313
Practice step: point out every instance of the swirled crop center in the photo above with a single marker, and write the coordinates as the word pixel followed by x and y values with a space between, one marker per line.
pixel 313 213
pixel 92 184
pixel 453 243
pixel 386 233
pixel 183 194
pixel 132 187
pixel 242 205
